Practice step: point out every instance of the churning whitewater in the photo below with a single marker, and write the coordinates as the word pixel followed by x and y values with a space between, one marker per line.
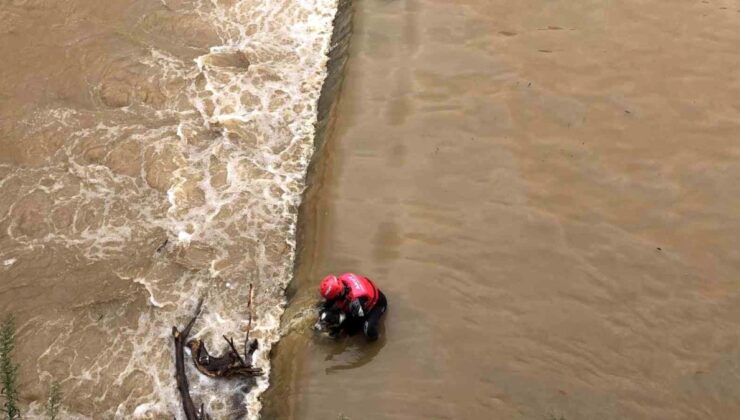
pixel 176 175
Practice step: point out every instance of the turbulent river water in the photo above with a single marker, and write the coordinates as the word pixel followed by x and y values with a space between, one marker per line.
pixel 151 152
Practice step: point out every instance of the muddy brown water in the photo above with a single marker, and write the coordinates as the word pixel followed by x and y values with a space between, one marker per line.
pixel 151 153
pixel 548 192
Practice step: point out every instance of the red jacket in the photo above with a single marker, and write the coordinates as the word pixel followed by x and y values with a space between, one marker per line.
pixel 359 287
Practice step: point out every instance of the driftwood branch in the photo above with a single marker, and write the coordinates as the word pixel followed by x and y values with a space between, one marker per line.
pixel 247 354
pixel 231 364
pixel 182 380
pixel 234 350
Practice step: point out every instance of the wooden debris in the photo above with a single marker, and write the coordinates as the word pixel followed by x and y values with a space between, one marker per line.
pixel 182 380
pixel 249 324
pixel 230 365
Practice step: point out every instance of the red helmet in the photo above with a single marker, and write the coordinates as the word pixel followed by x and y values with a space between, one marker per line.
pixel 330 287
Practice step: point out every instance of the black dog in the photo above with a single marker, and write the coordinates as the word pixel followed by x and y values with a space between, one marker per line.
pixel 330 322
pixel 334 323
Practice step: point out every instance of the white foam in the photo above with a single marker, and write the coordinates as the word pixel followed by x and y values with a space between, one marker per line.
pixel 143 410
pixel 183 236
pixel 240 142
pixel 152 300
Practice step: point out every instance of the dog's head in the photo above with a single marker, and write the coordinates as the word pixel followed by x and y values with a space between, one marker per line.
pixel 329 321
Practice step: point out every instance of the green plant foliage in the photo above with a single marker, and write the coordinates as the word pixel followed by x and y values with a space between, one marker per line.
pixel 55 401
pixel 8 370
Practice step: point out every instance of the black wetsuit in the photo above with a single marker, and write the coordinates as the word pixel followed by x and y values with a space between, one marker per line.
pixel 358 316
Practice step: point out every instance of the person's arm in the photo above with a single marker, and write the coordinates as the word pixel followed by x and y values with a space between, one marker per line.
pixel 358 307
pixel 327 305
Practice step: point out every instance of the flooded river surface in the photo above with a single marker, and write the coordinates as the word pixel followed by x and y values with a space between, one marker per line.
pixel 548 192
pixel 151 153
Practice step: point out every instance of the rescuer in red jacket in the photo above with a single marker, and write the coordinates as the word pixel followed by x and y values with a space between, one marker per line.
pixel 357 298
